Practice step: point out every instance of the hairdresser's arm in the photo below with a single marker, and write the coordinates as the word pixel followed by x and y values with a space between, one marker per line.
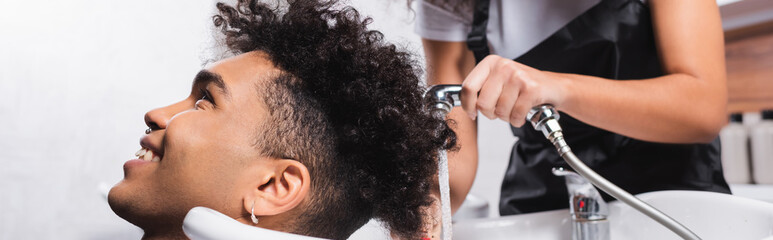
pixel 686 105
pixel 449 63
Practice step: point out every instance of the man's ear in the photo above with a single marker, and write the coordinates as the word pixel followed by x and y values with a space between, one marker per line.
pixel 280 190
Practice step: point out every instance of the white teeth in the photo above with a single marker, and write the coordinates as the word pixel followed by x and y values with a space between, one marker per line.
pixel 141 152
pixel 147 155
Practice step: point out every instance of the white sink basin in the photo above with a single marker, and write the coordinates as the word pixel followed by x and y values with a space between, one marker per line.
pixel 709 215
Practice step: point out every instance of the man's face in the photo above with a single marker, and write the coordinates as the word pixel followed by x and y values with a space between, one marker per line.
pixel 206 146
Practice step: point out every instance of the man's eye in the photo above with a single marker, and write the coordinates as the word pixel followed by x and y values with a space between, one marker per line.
pixel 206 96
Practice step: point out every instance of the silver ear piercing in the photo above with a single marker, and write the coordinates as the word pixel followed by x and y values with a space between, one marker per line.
pixel 147 131
pixel 252 214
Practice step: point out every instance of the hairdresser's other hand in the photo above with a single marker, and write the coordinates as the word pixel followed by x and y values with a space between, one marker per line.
pixel 505 89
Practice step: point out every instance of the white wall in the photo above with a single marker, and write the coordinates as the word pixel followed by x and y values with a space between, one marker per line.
pixel 76 78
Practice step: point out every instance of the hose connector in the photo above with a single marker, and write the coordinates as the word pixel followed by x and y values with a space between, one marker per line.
pixel 544 118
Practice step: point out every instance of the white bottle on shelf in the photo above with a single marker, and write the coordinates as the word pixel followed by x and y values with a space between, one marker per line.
pixel 735 151
pixel 761 135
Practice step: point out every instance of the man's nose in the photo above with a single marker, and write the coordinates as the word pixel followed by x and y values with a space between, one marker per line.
pixel 159 118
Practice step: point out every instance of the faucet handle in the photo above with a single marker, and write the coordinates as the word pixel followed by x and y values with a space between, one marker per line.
pixel 571 177
pixel 585 202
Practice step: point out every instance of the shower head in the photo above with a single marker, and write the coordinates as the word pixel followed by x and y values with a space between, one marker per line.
pixel 443 97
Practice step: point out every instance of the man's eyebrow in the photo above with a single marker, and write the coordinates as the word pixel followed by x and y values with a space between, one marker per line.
pixel 205 77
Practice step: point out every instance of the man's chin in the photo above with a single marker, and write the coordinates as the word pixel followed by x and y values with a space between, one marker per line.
pixel 121 202
pixel 127 204
pixel 139 207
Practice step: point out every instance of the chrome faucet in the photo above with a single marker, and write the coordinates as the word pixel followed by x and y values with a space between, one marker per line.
pixel 545 118
pixel 589 211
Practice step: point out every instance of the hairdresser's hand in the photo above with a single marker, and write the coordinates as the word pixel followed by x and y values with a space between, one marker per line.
pixel 505 89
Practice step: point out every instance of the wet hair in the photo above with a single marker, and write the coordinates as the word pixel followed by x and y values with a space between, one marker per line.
pixel 350 107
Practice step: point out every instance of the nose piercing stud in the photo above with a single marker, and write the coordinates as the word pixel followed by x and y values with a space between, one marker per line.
pixel 147 131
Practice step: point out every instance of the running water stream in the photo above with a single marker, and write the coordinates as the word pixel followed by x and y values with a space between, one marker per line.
pixel 442 98
pixel 445 194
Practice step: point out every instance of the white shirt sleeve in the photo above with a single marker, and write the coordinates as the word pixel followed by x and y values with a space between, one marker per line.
pixel 436 23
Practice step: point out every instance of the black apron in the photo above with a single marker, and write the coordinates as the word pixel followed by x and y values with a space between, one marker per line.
pixel 614 40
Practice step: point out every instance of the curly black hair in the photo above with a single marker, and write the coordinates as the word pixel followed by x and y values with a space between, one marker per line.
pixel 350 107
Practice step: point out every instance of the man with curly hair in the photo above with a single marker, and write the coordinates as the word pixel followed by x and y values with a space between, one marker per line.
pixel 314 127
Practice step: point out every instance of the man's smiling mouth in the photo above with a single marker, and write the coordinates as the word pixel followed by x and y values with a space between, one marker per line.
pixel 148 155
